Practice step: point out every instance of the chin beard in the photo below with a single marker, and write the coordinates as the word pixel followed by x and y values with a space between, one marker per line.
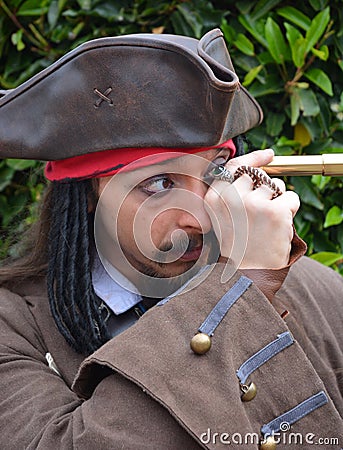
pixel 158 278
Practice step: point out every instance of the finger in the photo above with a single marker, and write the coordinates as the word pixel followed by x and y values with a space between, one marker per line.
pixel 257 158
pixel 289 200
pixel 263 192
pixel 279 183
pixel 243 185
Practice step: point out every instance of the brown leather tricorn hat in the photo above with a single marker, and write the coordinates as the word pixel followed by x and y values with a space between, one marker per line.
pixel 140 90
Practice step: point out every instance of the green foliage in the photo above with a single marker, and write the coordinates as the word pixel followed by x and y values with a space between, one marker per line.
pixel 21 186
pixel 290 59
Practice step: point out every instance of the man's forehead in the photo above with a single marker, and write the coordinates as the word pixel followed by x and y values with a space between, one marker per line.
pixel 173 162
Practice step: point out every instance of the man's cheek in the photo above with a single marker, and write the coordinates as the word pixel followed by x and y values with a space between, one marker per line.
pixel 147 232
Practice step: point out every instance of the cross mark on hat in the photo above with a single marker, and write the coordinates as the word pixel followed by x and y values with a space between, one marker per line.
pixel 103 97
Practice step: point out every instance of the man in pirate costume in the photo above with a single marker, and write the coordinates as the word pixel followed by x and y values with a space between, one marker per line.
pixel 163 300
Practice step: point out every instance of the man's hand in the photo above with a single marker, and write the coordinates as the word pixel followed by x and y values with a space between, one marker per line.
pixel 253 229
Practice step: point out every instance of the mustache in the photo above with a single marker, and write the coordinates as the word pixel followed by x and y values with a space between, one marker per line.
pixel 187 243
pixel 183 244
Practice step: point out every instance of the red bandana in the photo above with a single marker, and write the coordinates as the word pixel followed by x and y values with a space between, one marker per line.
pixel 109 162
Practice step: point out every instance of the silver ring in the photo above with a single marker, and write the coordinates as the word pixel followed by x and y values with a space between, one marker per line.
pixel 223 174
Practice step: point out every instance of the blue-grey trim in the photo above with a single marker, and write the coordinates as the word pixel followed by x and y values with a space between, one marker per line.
pixel 255 361
pixel 179 291
pixel 295 414
pixel 218 312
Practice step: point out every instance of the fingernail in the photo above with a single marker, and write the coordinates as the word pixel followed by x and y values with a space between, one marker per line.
pixel 270 150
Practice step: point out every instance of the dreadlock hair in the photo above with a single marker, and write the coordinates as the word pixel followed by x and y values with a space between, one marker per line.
pixel 239 142
pixel 73 302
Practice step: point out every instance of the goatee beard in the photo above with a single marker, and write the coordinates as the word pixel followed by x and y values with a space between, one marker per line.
pixel 157 282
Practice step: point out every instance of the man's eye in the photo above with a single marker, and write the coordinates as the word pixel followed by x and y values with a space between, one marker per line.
pixel 157 185
pixel 208 175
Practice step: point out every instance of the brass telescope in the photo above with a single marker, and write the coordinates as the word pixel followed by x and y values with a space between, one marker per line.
pixel 330 164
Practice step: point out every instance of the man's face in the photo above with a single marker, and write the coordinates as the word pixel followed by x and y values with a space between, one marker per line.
pixel 153 220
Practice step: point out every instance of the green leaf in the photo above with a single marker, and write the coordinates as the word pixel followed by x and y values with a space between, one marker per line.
pixel 31 8
pixel 295 106
pixel 297 43
pixel 295 16
pixel 15 206
pixel 244 44
pixel 265 58
pixel 253 29
pixel 186 21
pixel 53 13
pixel 192 18
pixel 300 52
pixel 320 181
pixel 318 5
pixel 251 75
pixel 322 242
pixel 245 62
pixel 276 42
pixel 307 192
pixel 302 226
pixel 303 85
pixel 72 13
pixel 283 140
pixel 322 53
pixel 108 12
pixel 228 31
pixel 263 7
pixel 28 72
pixel 244 6
pixel 16 39
pixel 324 117
pixel 275 123
pixel 273 85
pixel 327 258
pixel 333 217
pixel 6 175
pixel 180 25
pixel 308 102
pixel 317 28
pixel 85 4
pixel 20 164
pixel 319 77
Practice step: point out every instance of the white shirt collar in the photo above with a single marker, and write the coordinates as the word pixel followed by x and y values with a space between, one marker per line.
pixel 113 288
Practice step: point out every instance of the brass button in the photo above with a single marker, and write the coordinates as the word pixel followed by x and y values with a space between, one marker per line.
pixel 268 444
pixel 201 343
pixel 249 392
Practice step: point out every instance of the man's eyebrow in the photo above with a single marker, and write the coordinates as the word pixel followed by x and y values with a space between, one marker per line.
pixel 177 159
pixel 175 164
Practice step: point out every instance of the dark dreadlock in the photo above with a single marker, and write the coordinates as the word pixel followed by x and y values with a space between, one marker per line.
pixel 239 142
pixel 73 302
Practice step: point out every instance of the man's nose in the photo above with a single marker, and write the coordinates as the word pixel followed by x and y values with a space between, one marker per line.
pixel 193 215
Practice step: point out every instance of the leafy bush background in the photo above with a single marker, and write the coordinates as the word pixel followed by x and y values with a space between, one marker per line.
pixel 288 54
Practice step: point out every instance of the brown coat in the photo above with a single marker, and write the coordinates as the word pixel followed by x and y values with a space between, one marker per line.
pixel 146 389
